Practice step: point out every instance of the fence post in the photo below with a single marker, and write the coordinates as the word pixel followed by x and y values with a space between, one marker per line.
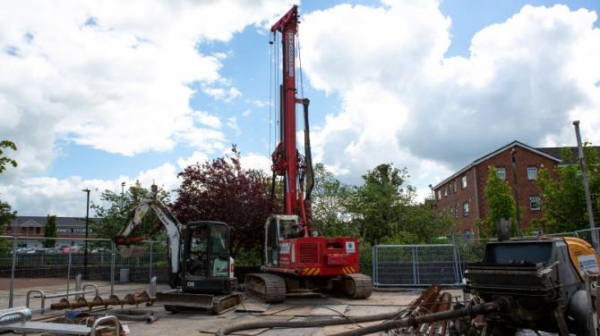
pixel 151 260
pixel 12 273
pixel 77 285
pixel 69 270
pixel 414 264
pixel 374 264
pixel 112 267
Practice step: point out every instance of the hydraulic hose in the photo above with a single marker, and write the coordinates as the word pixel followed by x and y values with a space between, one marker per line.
pixel 469 310
pixel 305 324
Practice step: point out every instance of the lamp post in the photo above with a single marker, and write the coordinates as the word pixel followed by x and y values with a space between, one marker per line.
pixel 513 153
pixel 586 187
pixel 87 223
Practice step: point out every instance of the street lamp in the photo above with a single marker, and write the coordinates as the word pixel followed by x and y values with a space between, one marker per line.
pixel 586 187
pixel 87 223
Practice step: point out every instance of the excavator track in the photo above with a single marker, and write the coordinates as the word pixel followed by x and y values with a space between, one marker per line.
pixel 268 287
pixel 357 286
pixel 176 301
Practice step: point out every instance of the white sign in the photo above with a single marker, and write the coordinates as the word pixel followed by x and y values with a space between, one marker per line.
pixel 350 247
pixel 588 263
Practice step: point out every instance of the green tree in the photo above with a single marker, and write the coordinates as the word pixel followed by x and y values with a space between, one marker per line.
pixel 377 204
pixel 5 160
pixel 329 215
pixel 501 204
pixel 111 219
pixel 562 194
pixel 6 216
pixel 50 232
pixel 6 213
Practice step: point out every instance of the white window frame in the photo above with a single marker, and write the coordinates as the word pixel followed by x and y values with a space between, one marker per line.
pixel 465 209
pixel 463 182
pixel 532 173
pixel 501 172
pixel 533 200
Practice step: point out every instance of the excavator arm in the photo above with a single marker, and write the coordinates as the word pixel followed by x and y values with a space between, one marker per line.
pixel 167 219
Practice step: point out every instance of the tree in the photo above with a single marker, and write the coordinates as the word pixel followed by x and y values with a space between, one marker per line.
pixel 378 203
pixel 329 215
pixel 562 195
pixel 221 190
pixel 6 214
pixel 501 204
pixel 5 160
pixel 50 232
pixel 113 218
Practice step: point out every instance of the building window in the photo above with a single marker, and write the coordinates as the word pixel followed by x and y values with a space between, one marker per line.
pixel 532 173
pixel 456 212
pixel 501 172
pixel 454 185
pixel 439 194
pixel 466 209
pixel 37 230
pixel 446 191
pixel 464 182
pixel 534 203
pixel 23 230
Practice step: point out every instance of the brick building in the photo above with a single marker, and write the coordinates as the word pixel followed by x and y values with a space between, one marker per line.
pixel 70 230
pixel 462 194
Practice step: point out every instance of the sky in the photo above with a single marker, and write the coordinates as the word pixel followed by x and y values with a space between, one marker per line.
pixel 97 93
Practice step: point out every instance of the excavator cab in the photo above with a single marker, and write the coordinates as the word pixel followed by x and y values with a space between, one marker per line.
pixel 207 265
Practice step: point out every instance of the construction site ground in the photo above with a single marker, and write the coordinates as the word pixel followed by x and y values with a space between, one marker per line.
pixel 304 308
pixel 308 308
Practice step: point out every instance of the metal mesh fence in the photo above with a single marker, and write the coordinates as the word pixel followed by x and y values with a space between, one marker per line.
pixel 103 263
pixel 410 265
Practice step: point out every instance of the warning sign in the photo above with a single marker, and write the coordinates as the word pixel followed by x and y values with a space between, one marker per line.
pixel 588 263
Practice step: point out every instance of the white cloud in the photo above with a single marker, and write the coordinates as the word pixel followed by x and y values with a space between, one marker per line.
pixel 110 75
pixel 526 79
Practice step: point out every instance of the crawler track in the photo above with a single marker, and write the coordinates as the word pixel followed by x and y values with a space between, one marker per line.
pixel 357 286
pixel 268 287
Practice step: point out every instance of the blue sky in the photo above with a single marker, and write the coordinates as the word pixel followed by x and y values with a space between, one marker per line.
pixel 99 93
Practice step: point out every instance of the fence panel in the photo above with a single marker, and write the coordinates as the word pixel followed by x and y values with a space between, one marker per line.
pixel 415 265
pixel 28 265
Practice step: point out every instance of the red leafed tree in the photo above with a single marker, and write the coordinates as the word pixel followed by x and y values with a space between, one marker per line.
pixel 221 190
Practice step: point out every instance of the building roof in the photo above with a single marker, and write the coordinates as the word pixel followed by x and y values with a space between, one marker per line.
pixel 556 152
pixel 40 221
pixel 550 155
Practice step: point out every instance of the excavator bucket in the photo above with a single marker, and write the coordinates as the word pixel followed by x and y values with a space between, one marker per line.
pixel 132 251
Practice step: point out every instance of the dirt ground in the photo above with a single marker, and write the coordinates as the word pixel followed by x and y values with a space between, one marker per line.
pixel 204 323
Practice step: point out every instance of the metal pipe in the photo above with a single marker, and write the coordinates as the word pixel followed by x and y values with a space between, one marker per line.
pixel 469 310
pixel 586 187
pixel 294 271
pixel 16 314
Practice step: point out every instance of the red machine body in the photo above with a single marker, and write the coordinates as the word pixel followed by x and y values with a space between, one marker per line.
pixel 296 257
